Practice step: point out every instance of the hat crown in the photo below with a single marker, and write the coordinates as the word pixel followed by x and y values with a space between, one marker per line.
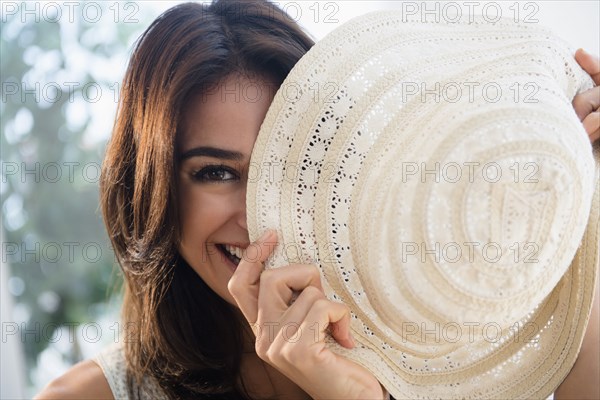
pixel 438 176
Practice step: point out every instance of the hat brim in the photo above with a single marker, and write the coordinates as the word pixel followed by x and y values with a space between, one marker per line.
pixel 531 356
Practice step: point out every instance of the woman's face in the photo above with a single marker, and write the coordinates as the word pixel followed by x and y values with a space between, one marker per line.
pixel 214 147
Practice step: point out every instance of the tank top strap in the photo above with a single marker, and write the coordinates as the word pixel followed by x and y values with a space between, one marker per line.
pixel 112 362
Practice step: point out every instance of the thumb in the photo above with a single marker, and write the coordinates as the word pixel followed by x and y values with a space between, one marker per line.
pixel 244 283
pixel 589 63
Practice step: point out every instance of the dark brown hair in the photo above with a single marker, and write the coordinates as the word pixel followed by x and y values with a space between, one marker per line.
pixel 176 328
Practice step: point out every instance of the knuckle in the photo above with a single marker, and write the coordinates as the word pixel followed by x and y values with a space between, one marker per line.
pixel 579 102
pixel 268 277
pixel 291 353
pixel 233 285
pixel 294 354
pixel 312 293
pixel 274 355
pixel 262 348
pixel 286 352
pixel 314 270
pixel 322 305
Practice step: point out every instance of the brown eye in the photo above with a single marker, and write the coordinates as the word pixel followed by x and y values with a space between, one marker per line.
pixel 215 173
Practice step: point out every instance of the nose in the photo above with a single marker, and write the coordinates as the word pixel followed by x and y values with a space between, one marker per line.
pixel 240 215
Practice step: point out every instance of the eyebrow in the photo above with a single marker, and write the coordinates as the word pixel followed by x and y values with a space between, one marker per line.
pixel 214 152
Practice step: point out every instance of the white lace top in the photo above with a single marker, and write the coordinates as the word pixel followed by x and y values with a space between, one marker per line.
pixel 112 362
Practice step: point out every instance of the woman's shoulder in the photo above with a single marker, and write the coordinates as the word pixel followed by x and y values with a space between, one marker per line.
pixel 104 377
pixel 85 380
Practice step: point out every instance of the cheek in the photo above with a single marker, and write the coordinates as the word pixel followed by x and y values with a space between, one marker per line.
pixel 201 214
pixel 196 224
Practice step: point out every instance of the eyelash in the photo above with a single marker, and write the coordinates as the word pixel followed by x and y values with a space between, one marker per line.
pixel 202 175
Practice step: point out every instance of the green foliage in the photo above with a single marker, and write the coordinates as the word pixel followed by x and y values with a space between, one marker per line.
pixel 51 149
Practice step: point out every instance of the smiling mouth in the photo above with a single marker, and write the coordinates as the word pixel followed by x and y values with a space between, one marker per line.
pixel 232 253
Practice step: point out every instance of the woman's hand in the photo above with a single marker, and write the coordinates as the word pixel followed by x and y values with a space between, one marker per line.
pixel 580 382
pixel 587 104
pixel 290 334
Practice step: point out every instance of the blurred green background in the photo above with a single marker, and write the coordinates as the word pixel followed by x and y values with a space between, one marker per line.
pixel 60 80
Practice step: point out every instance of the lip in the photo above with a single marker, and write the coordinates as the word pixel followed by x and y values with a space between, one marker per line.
pixel 225 257
pixel 238 244
pixel 230 263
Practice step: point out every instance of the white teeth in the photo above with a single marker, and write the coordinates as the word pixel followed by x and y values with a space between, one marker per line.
pixel 234 250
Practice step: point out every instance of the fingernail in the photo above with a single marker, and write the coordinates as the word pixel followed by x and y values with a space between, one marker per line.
pixel 351 337
pixel 267 234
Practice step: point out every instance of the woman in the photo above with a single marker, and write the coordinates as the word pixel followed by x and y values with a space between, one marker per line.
pixel 173 186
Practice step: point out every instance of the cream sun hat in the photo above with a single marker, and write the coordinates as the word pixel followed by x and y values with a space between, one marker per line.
pixel 440 179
